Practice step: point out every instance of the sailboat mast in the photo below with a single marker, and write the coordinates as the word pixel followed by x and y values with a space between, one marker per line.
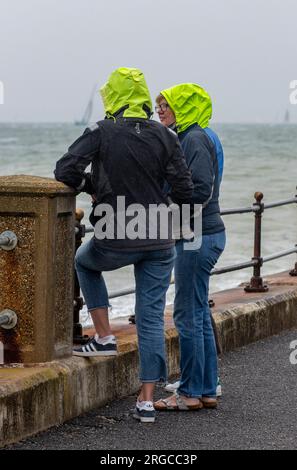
pixel 88 111
pixel 287 117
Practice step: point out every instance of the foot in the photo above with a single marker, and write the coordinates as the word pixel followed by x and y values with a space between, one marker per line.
pixel 93 349
pixel 174 386
pixel 209 402
pixel 178 402
pixel 145 412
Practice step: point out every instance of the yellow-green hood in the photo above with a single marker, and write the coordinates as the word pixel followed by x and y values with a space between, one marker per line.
pixel 126 86
pixel 190 103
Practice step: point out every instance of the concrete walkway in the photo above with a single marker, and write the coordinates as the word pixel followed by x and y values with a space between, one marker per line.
pixel 257 411
pixel 35 397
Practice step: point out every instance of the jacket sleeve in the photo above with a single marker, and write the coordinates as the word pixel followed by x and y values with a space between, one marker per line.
pixel 200 160
pixel 70 169
pixel 178 176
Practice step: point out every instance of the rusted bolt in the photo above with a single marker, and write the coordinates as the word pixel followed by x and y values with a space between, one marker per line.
pixel 8 240
pixel 8 319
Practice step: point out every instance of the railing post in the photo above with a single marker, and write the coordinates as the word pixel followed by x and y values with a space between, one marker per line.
pixel 293 272
pixel 80 231
pixel 256 282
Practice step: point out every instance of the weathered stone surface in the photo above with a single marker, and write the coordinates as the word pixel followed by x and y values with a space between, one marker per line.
pixel 23 184
pixel 17 284
pixel 36 278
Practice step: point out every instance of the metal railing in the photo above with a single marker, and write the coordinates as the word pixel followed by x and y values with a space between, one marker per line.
pixel 256 283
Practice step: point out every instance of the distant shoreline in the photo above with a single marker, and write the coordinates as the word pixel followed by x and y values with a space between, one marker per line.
pixel 214 123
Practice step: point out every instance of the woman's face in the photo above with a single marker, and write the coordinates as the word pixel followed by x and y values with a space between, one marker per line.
pixel 166 115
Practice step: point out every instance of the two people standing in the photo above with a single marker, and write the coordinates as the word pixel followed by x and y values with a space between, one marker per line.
pixel 135 158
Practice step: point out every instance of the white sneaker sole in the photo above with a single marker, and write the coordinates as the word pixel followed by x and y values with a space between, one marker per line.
pixel 95 354
pixel 172 387
pixel 143 419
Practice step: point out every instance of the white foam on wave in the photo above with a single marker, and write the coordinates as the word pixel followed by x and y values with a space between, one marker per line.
pixel 8 140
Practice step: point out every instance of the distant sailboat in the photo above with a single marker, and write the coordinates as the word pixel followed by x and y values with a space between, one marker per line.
pixel 287 117
pixel 88 112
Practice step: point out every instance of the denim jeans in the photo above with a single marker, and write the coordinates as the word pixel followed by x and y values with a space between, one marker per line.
pixel 152 271
pixel 198 355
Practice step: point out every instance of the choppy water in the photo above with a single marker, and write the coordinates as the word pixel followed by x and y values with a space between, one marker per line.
pixel 257 158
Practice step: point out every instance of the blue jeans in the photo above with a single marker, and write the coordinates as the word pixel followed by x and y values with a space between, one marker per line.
pixel 152 271
pixel 198 355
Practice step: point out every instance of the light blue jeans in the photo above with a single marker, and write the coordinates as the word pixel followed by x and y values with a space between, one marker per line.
pixel 152 271
pixel 198 355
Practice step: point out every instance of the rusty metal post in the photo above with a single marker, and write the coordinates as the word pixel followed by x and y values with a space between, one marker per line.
pixel 256 282
pixel 293 272
pixel 80 231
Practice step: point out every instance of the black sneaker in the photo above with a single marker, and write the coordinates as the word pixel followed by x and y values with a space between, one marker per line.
pixel 92 349
pixel 145 412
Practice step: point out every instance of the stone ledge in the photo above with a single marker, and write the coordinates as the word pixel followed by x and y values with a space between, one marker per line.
pixel 35 398
pixel 33 185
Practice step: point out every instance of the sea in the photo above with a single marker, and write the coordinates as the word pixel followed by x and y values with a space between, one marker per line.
pixel 258 157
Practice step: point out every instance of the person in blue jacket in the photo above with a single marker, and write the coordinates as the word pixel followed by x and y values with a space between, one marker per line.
pixel 219 150
pixel 187 108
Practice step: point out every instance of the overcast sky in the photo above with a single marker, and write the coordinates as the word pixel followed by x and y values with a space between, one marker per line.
pixel 244 52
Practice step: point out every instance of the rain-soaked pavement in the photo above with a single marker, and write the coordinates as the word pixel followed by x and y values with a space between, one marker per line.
pixel 257 411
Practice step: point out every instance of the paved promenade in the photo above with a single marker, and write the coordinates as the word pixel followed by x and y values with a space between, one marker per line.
pixel 257 411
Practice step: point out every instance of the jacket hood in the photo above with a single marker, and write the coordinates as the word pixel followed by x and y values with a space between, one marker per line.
pixel 190 103
pixel 126 87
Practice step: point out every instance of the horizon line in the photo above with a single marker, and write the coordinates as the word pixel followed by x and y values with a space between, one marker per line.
pixel 93 122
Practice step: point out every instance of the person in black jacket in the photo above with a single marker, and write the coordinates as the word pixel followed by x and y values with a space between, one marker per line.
pixel 132 157
pixel 187 107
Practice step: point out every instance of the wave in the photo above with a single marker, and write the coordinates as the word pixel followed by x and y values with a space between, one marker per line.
pixel 8 140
